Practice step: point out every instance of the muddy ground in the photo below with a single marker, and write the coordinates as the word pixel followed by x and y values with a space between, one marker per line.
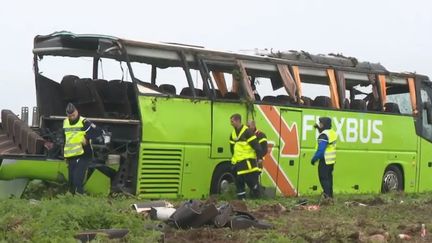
pixel 58 217
pixel 379 218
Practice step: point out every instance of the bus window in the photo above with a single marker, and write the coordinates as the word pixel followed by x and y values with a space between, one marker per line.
pixel 110 69
pixel 56 68
pixel 361 97
pixel 398 100
pixel 264 90
pixel 318 94
pixel 223 84
pixel 175 78
pixel 427 128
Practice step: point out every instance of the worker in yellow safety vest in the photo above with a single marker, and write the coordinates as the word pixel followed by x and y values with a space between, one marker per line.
pixel 326 155
pixel 262 140
pixel 77 151
pixel 245 151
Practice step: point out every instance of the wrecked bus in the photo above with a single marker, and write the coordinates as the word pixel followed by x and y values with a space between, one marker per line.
pixel 168 109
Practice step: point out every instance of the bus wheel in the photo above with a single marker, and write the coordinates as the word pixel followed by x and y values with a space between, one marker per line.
pixel 222 178
pixel 392 180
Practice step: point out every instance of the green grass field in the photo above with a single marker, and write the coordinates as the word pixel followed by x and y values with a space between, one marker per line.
pixel 56 217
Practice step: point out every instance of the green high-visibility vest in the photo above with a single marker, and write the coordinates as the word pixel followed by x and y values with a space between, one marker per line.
pixel 74 135
pixel 330 152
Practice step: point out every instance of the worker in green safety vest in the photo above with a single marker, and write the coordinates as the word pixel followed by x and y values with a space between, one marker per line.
pixel 78 152
pixel 245 151
pixel 326 155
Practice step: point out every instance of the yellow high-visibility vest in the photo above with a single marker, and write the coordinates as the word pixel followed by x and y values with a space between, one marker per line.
pixel 243 152
pixel 74 135
pixel 330 152
pixel 242 149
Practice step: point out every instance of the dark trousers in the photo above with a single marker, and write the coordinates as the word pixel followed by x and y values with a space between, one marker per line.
pixel 325 173
pixel 251 179
pixel 77 169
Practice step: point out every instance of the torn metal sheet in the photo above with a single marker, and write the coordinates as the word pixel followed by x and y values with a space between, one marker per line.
pixel 146 206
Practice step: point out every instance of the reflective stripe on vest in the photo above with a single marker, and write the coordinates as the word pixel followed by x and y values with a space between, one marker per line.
pixel 73 138
pixel 242 148
pixel 330 152
pixel 249 169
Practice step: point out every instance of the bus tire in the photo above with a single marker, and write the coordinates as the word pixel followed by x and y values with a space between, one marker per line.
pixel 392 179
pixel 222 178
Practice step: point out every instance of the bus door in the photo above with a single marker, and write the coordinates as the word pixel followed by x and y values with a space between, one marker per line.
pixel 425 178
pixel 281 164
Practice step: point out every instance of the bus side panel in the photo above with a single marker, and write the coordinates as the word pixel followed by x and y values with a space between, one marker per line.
pixel 367 143
pixel 221 127
pixel 362 172
pixel 308 175
pixel 160 168
pixel 363 131
pixel 197 171
pixel 175 120
pixel 425 170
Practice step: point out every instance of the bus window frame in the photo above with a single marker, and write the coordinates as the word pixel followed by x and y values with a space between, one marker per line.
pixel 213 66
pixel 427 87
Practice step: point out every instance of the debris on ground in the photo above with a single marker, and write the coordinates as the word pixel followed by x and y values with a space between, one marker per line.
pixel 354 203
pixel 86 236
pixel 161 213
pixel 196 214
pixel 146 206
pixel 310 207
pixel 404 236
pixel 382 236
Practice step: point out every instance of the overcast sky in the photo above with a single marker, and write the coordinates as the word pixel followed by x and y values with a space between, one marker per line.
pixel 396 33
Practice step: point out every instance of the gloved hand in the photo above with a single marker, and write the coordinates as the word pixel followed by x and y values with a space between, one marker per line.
pixel 260 163
pixel 313 161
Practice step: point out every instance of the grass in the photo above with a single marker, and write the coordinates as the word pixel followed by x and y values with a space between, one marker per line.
pixel 49 217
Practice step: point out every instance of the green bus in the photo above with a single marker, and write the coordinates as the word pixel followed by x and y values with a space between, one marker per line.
pixel 167 107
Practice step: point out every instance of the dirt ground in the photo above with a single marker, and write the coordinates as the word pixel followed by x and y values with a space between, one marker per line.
pixel 379 218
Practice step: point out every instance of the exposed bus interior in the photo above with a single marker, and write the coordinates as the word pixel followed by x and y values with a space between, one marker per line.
pixel 115 72
pixel 109 103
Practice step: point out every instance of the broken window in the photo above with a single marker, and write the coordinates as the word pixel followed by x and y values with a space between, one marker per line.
pixel 398 100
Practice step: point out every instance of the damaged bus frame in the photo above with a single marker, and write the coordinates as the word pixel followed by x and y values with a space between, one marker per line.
pixel 169 144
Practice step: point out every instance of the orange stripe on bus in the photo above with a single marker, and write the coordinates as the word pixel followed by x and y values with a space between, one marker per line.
pixel 289 136
pixel 278 176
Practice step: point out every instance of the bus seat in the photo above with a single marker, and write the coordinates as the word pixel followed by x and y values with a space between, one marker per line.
pixel 117 101
pixel 391 108
pixel 188 92
pixel 17 128
pixel 68 84
pixel 284 99
pixel 358 105
pixel 200 93
pixel 231 96
pixel 218 94
pixel 87 100
pixel 35 143
pixel 346 104
pixel 322 101
pixel 306 101
pixel 101 86
pixel 4 119
pixel 11 118
pixel 168 88
pixel 373 105
pixel 270 99
pixel 25 131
